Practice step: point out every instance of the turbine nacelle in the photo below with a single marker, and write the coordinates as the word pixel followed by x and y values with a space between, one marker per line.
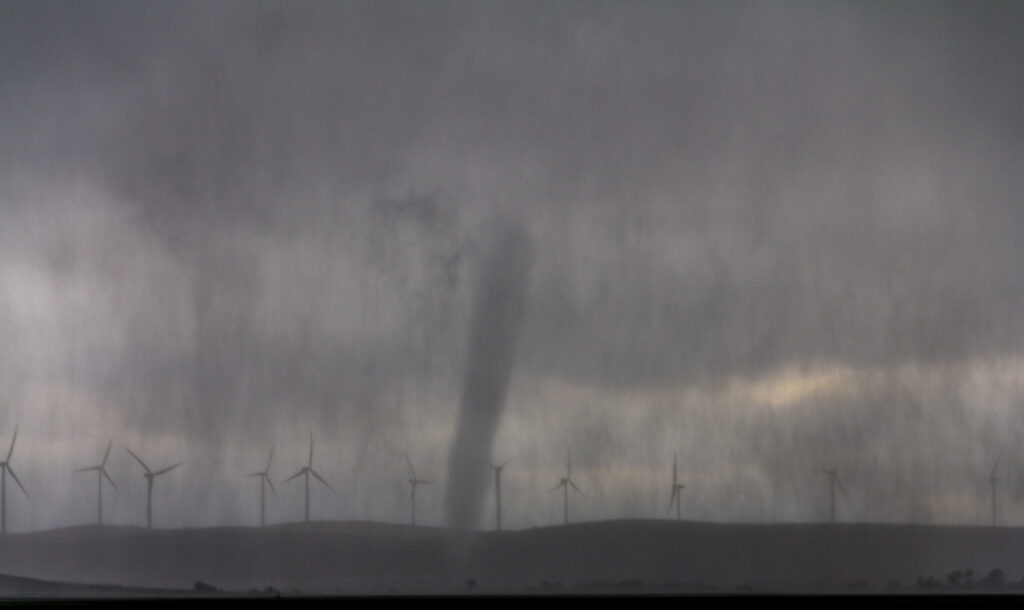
pixel 6 464
pixel 414 481
pixel 150 477
pixel 501 466
pixel 153 475
pixel 101 467
pixel 567 481
pixel 265 474
pixel 306 471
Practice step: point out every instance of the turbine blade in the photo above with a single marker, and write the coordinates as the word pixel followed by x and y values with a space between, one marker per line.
pixel 319 478
pixel 568 463
pixel 672 500
pixel 269 459
pixel 11 450
pixel 107 454
pixel 138 459
pixel 994 468
pixel 425 482
pixel 15 477
pixel 557 486
pixel 577 489
pixel 271 483
pixel 673 469
pixel 297 474
pixel 507 462
pixel 408 462
pixel 840 485
pixel 168 469
pixel 104 471
pixel 310 449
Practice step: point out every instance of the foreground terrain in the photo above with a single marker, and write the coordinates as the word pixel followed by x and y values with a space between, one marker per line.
pixel 338 558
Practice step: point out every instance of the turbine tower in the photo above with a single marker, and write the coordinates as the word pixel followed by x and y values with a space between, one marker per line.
pixel 5 469
pixel 413 482
pixel 833 479
pixel 564 484
pixel 264 481
pixel 497 488
pixel 992 480
pixel 101 472
pixel 150 475
pixel 676 488
pixel 306 471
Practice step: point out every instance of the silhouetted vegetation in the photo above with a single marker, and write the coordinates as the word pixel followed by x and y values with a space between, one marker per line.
pixel 202 587
pixel 958 581
pixel 994 581
pixel 963 581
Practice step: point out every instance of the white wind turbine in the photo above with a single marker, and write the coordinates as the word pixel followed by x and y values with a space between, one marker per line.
pixel 833 479
pixel 150 475
pixel 101 472
pixel 676 488
pixel 306 471
pixel 264 481
pixel 992 480
pixel 413 482
pixel 565 483
pixel 5 469
pixel 497 489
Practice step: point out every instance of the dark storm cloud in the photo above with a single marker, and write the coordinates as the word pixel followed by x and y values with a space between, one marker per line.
pixel 277 204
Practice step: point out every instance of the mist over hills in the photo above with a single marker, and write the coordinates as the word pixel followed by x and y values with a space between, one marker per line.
pixel 755 242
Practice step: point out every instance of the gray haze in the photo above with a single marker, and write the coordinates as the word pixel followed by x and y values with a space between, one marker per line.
pixel 770 237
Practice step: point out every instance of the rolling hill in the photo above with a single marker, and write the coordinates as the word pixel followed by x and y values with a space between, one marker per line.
pixel 636 555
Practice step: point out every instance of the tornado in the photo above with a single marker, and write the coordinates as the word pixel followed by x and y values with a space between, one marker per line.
pixel 498 308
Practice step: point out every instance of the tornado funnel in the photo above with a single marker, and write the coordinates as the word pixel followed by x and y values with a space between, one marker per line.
pixel 499 304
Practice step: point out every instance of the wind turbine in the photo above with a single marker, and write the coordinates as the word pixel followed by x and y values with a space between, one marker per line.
pixel 564 484
pixel 413 482
pixel 101 472
pixel 150 475
pixel 5 468
pixel 992 480
pixel 497 488
pixel 308 470
pixel 264 481
pixel 676 488
pixel 833 478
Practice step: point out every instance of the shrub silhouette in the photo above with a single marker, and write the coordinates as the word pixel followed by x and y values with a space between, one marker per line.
pixel 954 578
pixel 202 587
pixel 995 580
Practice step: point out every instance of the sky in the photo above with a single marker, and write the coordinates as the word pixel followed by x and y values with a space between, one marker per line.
pixel 766 238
